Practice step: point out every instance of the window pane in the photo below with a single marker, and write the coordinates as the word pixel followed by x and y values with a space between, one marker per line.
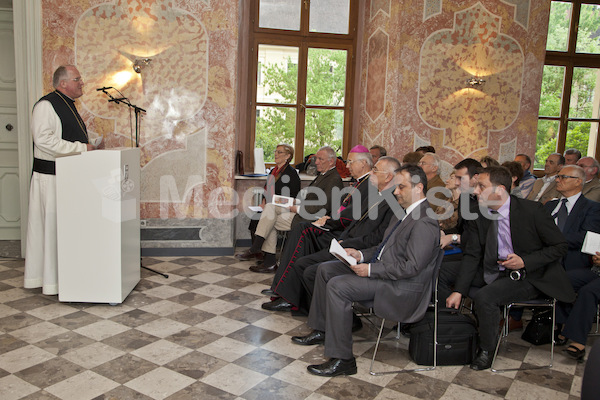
pixel 278 74
pixel 558 27
pixel 578 135
pixel 326 77
pixel 546 141
pixel 588 35
pixel 280 14
pixel 329 16
pixel 323 128
pixel 552 89
pixel 274 125
pixel 584 93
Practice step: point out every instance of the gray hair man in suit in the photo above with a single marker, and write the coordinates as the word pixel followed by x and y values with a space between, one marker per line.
pixel 591 186
pixel 397 272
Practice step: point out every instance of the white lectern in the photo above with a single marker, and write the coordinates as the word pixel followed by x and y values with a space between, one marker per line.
pixel 98 219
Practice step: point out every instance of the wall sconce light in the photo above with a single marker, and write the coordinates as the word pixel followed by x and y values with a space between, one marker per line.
pixel 474 82
pixel 139 63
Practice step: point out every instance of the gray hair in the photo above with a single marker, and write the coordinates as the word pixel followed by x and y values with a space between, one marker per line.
pixel 577 171
pixel 436 158
pixel 330 152
pixel 392 164
pixel 60 74
pixel 595 164
pixel 365 156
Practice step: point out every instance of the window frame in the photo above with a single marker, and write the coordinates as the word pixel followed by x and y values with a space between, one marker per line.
pixel 303 40
pixel 570 59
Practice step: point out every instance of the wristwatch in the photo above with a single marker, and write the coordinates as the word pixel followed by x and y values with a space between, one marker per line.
pixel 455 238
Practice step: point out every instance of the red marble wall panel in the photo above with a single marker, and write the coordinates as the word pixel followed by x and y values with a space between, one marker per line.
pixel 376 72
pixel 430 57
pixel 188 89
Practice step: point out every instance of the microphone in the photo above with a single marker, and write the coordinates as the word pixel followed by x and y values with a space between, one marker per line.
pixel 102 89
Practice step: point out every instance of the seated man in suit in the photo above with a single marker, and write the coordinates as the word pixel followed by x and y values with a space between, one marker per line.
pixel 396 276
pixel 544 189
pixel 513 254
pixel 591 187
pixel 528 179
pixel 436 187
pixel 574 214
pixel 352 200
pixel 360 234
pixel 275 218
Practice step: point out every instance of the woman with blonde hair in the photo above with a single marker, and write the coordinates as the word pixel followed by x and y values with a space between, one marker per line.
pixel 283 180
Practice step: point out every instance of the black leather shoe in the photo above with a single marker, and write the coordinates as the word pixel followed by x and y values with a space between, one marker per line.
pixel 277 305
pixel 268 292
pixel 248 255
pixel 558 341
pixel 264 269
pixel 482 361
pixel 334 367
pixel 315 337
pixel 356 323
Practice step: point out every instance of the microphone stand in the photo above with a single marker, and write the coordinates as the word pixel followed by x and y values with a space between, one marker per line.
pixel 138 112
pixel 138 120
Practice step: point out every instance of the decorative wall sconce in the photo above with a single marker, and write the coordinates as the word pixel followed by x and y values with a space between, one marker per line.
pixel 139 63
pixel 475 82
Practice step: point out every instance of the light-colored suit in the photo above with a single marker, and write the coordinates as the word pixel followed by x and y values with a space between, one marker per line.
pixel 591 189
pixel 549 194
pixel 400 284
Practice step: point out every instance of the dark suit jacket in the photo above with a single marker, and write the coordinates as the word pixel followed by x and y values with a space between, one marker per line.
pixel 288 184
pixel 405 269
pixel 359 198
pixel 325 182
pixel 584 216
pixel 535 238
pixel 367 231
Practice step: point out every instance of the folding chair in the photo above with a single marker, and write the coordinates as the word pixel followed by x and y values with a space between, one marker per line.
pixel 434 304
pixel 537 303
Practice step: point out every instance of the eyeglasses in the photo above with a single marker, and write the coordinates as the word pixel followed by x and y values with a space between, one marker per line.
pixel 80 79
pixel 421 163
pixel 348 162
pixel 375 171
pixel 280 152
pixel 566 176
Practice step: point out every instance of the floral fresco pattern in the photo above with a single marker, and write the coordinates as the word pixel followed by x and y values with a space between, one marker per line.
pixel 474 48
pixel 187 89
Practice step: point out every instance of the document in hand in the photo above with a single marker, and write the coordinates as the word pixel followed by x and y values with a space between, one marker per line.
pixel 340 253
pixel 283 201
pixel 591 243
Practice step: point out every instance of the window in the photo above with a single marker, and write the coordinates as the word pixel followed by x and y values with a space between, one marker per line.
pixel 301 68
pixel 569 114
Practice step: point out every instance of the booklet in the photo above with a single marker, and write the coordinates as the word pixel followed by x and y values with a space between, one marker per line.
pixel 283 201
pixel 340 253
pixel 591 243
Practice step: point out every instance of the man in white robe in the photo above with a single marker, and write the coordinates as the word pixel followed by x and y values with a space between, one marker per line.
pixel 57 129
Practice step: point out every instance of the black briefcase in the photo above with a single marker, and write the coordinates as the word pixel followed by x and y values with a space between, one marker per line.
pixel 457 339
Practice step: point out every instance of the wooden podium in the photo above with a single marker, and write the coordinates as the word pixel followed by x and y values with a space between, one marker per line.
pixel 98 220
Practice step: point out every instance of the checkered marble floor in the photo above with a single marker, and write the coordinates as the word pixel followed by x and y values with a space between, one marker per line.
pixel 201 334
